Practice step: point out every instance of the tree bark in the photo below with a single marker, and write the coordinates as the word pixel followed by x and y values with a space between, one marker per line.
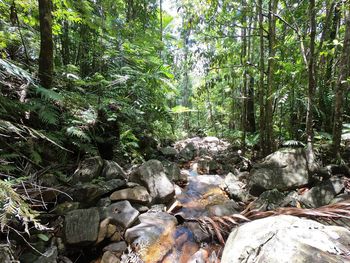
pixel 270 77
pixel 46 44
pixel 261 79
pixel 245 75
pixel 311 89
pixel 342 85
pixel 65 43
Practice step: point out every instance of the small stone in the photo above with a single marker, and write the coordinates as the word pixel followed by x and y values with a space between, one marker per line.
pixel 102 233
pixel 111 229
pixel 112 170
pixel 116 237
pixel 88 170
pixel 137 194
pixel 121 213
pixel 117 247
pixel 109 257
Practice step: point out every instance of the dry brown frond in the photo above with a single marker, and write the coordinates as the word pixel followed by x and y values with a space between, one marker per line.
pixel 223 225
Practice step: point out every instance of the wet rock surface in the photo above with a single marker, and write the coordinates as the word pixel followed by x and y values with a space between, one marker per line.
pixel 161 211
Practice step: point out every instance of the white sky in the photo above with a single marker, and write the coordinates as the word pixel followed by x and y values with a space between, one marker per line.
pixel 169 7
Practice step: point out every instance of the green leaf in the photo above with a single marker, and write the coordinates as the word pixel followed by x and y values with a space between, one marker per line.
pixel 43 237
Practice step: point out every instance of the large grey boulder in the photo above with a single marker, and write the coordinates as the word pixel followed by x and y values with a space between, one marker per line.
pixel 152 175
pixel 284 239
pixel 88 170
pixel 322 193
pixel 81 226
pixel 284 169
pixel 112 170
pixel 120 213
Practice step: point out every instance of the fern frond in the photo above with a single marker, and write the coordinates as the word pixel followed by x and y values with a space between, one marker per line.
pixel 78 133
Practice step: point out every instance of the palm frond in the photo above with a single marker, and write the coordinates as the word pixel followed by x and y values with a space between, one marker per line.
pixel 222 226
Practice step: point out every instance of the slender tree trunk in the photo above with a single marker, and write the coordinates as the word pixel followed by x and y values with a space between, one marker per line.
pixel 342 86
pixel 46 44
pixel 161 19
pixel 65 43
pixel 311 88
pixel 270 77
pixel 324 83
pixel 245 74
pixel 250 97
pixel 261 80
pixel 250 107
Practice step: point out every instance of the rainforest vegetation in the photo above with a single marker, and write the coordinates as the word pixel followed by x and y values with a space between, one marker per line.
pixel 121 78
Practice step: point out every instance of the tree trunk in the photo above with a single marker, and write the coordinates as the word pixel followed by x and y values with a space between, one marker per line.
pixel 342 86
pixel 250 107
pixel 270 77
pixel 161 19
pixel 65 43
pixel 261 79
pixel 324 83
pixel 311 88
pixel 46 44
pixel 245 75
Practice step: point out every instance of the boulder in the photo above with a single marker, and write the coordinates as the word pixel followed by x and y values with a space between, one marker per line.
pixel 90 192
pixel 272 199
pixel 281 170
pixel 112 170
pixel 188 152
pixel 82 226
pixel 88 170
pixel 322 193
pixel 207 165
pixel 283 239
pixel 235 188
pixel 169 152
pixel 152 175
pixel 120 213
pixel 136 194
pixel 173 172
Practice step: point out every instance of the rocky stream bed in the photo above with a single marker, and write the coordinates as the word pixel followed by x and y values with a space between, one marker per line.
pixel 186 207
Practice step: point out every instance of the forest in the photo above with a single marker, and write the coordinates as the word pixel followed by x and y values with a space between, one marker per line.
pixel 174 131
